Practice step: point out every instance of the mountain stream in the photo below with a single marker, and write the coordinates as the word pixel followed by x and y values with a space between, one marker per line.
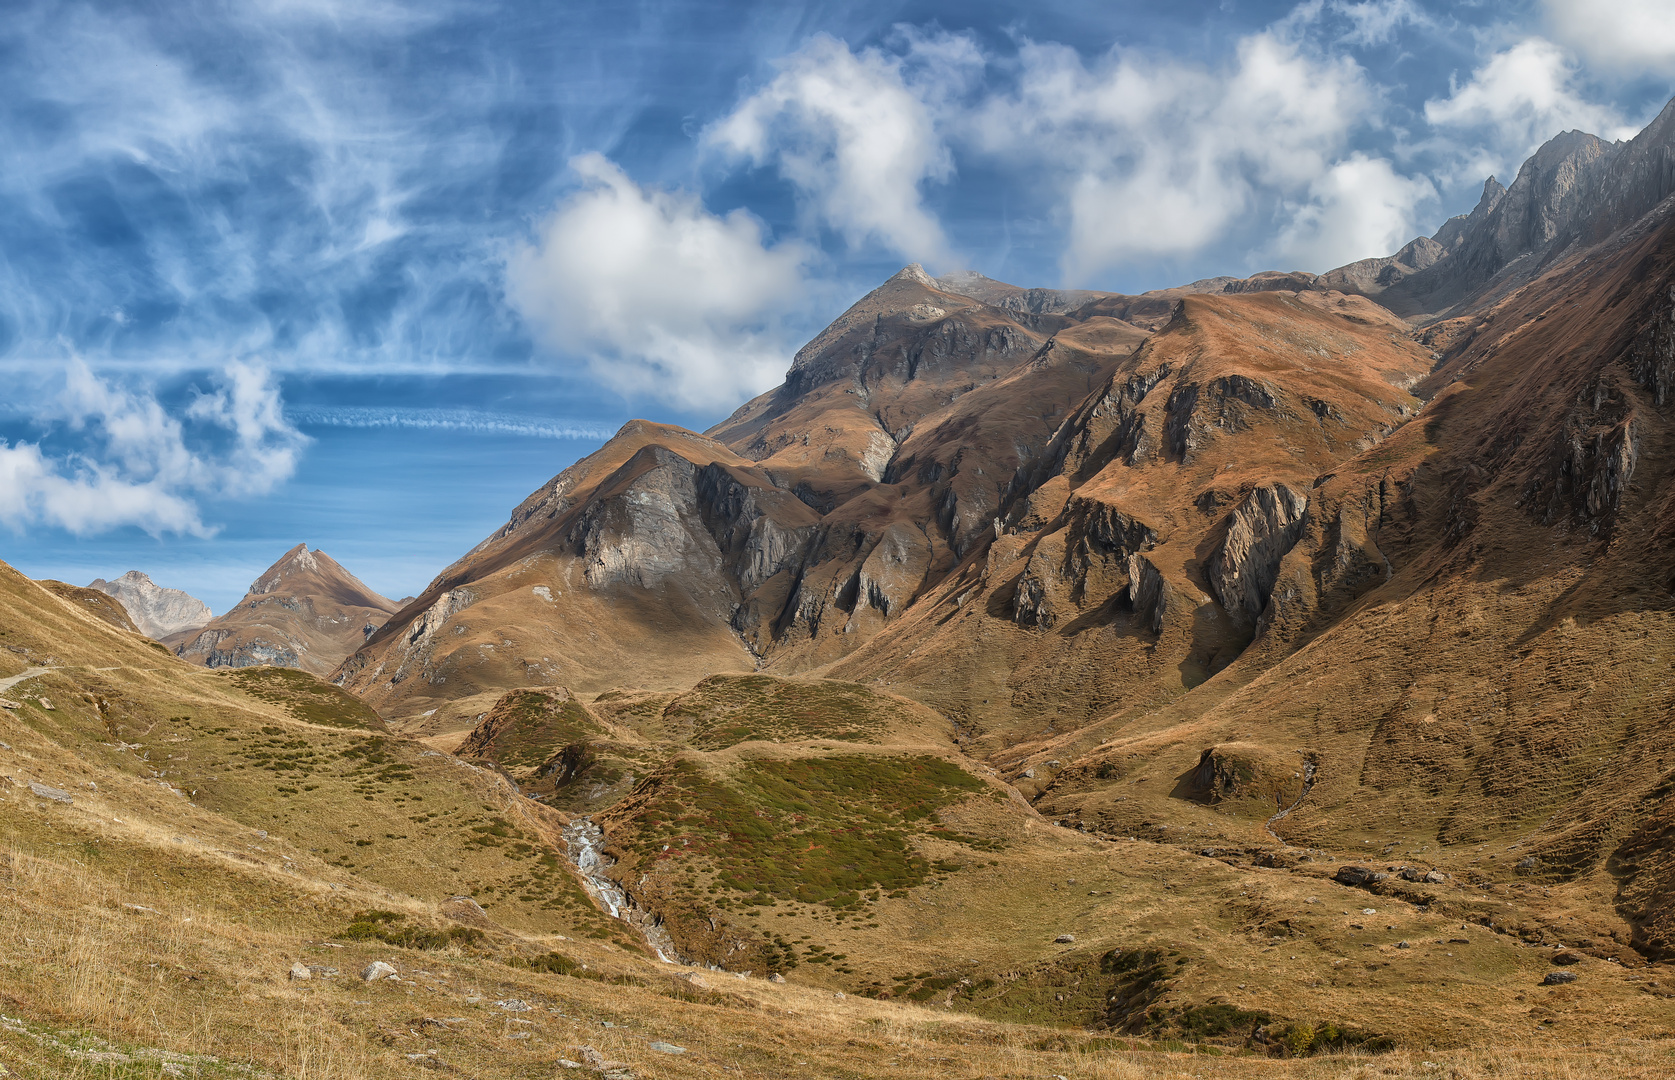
pixel 586 843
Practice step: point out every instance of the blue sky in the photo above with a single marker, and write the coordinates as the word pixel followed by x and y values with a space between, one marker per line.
pixel 365 274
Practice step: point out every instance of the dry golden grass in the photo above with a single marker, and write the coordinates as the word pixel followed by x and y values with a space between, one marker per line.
pixel 195 987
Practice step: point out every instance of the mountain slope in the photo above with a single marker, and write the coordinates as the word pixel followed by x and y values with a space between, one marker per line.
pixel 156 611
pixel 305 611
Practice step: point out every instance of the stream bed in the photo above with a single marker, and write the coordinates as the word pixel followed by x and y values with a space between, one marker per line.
pixel 585 841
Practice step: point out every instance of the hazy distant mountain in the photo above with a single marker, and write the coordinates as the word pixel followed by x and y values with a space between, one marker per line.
pixel 305 611
pixel 157 611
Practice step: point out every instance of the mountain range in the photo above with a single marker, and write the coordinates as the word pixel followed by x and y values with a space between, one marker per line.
pixel 1036 682
pixel 1380 509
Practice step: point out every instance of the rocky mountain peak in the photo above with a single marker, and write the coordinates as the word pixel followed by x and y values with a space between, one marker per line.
pixel 158 612
pixel 305 611
pixel 915 273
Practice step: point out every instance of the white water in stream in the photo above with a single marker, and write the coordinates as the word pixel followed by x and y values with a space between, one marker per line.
pixel 586 842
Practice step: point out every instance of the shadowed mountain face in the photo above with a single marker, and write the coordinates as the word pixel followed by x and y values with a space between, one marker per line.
pixel 305 611
pixel 156 611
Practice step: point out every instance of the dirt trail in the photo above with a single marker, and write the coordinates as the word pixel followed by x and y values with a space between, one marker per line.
pixel 7 684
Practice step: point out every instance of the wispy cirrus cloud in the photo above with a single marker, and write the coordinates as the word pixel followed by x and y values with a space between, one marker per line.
pixel 477 421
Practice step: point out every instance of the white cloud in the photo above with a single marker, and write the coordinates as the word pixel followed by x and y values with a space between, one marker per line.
pixel 664 298
pixel 1358 208
pixel 1160 157
pixel 142 466
pixel 854 138
pixel 1620 37
pixel 1517 100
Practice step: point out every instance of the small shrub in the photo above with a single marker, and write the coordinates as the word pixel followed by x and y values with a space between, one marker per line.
pixel 379 925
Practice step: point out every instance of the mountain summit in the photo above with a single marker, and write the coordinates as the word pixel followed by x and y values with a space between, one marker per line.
pixel 305 611
pixel 158 612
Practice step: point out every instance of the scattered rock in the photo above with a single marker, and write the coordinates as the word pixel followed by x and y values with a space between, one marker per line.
pixel 776 977
pixel 376 970
pixel 323 972
pixel 1403 945
pixel 8 703
pixel 43 792
pixel 1358 876
pixel 566 1063
pixel 1558 978
pixel 594 1060
pixel 1567 958
pixel 514 1005
pixel 1369 911
pixel 667 1048
pixel 47 705
pixel 692 978
pixel 1064 939
pixel 300 971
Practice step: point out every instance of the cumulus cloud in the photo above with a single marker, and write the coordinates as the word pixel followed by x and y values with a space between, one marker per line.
pixel 663 298
pixel 854 138
pixel 1360 207
pixel 142 466
pixel 1622 37
pixel 1160 157
pixel 1518 99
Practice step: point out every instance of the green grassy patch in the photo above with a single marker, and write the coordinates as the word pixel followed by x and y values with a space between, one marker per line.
pixel 386 926
pixel 306 697
pixel 813 831
pixel 725 710
pixel 526 727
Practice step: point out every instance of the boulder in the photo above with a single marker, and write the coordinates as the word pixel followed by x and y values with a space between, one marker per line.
pixel 299 972
pixel 1064 939
pixel 1358 876
pixel 1558 978
pixel 667 1048
pixel 42 791
pixel 376 970
pixel 776 977
pixel 1565 959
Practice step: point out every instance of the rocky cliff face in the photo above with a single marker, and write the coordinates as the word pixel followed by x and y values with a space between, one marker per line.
pixel 158 612
pixel 1576 190
pixel 305 611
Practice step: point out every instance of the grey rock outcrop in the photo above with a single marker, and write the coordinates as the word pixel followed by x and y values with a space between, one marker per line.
pixel 1265 525
pixel 157 611
pixel 1577 189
